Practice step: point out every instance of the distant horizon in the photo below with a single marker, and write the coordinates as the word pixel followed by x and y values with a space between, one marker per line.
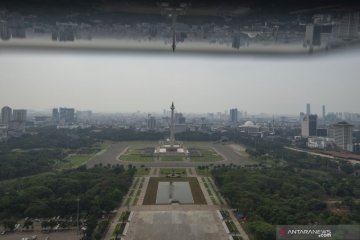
pixel 122 83
pixel 48 112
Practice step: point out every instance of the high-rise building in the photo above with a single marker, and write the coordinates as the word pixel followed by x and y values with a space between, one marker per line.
pixel 6 115
pixel 309 125
pixel 341 132
pixel 4 30
pixel 151 122
pixel 236 42
pixel 323 112
pixel 302 115
pixel 19 115
pixel 308 112
pixel 312 36
pixel 67 115
pixel 55 115
pixel 233 115
pixel 347 28
pixel 179 118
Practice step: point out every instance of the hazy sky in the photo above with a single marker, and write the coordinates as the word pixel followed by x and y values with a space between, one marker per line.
pixel 127 83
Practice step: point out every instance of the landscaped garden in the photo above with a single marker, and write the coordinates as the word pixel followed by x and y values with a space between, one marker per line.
pixel 170 171
pixel 231 226
pixel 204 154
pixel 145 154
pixel 82 156
pixel 172 158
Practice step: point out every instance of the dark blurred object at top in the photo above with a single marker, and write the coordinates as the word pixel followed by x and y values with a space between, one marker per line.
pixel 226 27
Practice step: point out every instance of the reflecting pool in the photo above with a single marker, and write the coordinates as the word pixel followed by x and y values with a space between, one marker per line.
pixel 169 192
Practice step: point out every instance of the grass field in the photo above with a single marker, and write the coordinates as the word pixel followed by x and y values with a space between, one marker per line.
pixel 172 158
pixel 151 191
pixel 76 160
pixel 142 171
pixel 214 200
pixel 124 216
pixel 167 171
pixel 225 214
pixel 205 155
pixel 204 171
pixel 119 229
pixel 128 200
pixel 137 155
pixel 231 226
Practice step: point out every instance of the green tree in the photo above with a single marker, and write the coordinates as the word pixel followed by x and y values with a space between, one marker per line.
pixel 262 230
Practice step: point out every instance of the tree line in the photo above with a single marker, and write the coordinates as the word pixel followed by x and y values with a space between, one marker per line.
pixel 99 191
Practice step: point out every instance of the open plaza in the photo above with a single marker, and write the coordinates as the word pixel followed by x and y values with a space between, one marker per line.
pixel 153 205
pixel 174 203
pixel 173 196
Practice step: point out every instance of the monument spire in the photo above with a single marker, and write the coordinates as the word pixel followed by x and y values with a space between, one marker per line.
pixel 172 137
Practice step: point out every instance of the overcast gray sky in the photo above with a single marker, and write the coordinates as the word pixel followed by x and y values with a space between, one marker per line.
pixel 127 83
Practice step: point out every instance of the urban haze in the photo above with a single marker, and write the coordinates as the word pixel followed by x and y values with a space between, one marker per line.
pixel 129 83
pixel 199 120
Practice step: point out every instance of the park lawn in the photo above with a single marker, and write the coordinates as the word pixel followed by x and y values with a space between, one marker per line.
pixel 131 194
pixel 142 171
pixel 75 161
pixel 225 214
pixel 124 216
pixel 135 155
pixel 119 229
pixel 105 145
pixel 128 200
pixel 216 192
pixel 204 172
pixel 214 200
pixel 208 155
pixel 172 158
pixel 168 171
pixel 231 226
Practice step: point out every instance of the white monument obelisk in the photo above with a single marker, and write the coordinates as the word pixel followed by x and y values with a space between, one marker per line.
pixel 172 137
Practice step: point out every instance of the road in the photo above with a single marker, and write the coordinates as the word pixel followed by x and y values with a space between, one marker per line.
pixel 110 156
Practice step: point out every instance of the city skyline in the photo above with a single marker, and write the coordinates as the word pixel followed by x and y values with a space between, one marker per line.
pixel 88 81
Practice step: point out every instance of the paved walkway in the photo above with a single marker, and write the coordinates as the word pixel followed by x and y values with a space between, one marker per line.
pixel 205 192
pixel 143 191
pixel 180 213
pixel 242 233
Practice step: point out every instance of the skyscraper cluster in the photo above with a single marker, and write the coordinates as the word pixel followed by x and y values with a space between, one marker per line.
pixel 234 115
pixel 13 121
pixel 63 115
pixel 8 115
pixel 339 133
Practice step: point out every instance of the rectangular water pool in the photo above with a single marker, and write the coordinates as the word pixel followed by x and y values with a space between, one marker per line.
pixel 169 192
